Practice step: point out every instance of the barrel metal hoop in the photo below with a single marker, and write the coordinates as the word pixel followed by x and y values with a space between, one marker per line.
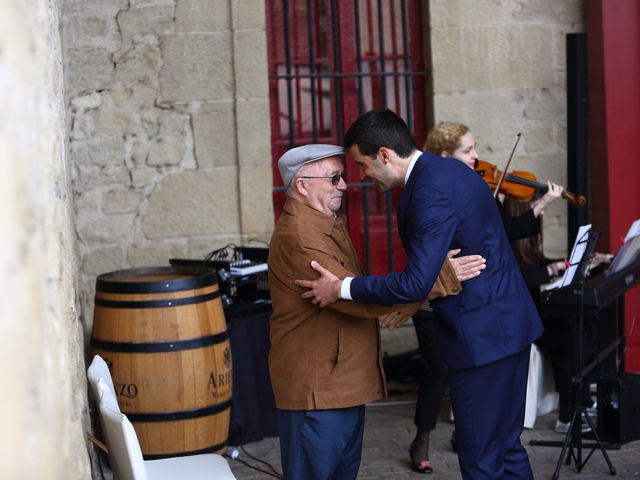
pixel 179 415
pixel 199 277
pixel 169 302
pixel 211 449
pixel 159 347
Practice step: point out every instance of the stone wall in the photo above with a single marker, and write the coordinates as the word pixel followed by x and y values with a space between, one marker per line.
pixel 44 403
pixel 499 67
pixel 170 134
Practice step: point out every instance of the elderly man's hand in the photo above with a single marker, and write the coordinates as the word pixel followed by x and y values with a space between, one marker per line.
pixel 325 290
pixel 393 320
pixel 468 266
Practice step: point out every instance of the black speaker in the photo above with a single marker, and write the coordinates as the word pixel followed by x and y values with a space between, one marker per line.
pixel 619 407
pixel 577 130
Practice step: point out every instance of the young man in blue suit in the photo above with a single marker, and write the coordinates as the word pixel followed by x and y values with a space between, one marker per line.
pixel 485 333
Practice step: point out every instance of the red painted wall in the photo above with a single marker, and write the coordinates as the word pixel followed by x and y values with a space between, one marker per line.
pixel 613 43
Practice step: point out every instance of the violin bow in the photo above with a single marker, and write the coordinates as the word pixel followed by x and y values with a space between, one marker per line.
pixel 504 172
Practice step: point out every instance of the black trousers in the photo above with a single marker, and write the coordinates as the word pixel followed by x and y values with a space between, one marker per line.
pixel 435 374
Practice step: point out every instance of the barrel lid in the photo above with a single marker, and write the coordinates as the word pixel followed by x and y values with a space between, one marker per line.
pixel 125 281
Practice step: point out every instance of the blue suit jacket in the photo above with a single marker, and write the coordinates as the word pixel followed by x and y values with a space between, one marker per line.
pixel 446 205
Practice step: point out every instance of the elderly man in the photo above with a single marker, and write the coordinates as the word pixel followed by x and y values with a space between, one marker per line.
pixel 325 363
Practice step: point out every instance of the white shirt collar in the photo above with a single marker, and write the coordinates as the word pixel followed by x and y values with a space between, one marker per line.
pixel 412 163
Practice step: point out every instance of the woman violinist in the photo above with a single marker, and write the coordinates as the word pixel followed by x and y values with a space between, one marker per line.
pixel 455 140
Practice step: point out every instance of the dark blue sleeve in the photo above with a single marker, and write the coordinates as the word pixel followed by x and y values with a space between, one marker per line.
pixel 433 223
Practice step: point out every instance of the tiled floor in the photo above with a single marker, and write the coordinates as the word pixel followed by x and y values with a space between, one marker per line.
pixel 389 430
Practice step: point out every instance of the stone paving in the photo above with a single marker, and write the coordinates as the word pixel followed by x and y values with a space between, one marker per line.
pixel 389 430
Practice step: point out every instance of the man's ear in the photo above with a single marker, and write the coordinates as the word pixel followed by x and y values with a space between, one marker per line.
pixel 299 186
pixel 444 153
pixel 385 154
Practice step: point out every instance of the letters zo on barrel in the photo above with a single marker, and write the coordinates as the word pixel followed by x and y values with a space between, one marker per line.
pixel 162 331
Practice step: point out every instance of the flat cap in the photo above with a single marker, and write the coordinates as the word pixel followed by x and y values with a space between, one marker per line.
pixel 293 159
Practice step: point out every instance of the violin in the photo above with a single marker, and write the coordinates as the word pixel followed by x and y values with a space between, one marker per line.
pixel 519 185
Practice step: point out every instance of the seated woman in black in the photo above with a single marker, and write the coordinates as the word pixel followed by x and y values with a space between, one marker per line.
pixel 539 270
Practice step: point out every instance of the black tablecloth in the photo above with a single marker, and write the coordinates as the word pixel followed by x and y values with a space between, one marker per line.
pixel 253 411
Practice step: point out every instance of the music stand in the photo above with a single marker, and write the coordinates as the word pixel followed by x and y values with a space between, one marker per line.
pixel 573 438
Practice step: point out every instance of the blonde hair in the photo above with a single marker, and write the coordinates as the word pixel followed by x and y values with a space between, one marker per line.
pixel 445 137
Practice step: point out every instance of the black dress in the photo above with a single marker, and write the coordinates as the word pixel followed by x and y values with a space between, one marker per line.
pixel 555 339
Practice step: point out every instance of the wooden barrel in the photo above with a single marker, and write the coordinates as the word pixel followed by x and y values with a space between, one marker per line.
pixel 162 331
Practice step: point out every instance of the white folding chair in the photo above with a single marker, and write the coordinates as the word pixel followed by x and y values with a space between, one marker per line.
pixel 125 456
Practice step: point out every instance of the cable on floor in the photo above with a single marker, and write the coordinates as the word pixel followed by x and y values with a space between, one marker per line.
pixel 273 472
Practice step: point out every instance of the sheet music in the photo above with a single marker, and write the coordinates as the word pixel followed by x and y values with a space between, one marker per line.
pixel 577 253
pixel 634 230
pixel 552 285
pixel 627 254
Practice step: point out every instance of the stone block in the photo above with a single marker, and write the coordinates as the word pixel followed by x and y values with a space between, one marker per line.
pixel 142 177
pixel 481 59
pixel 251 65
pixel 139 65
pixel 448 13
pixel 113 121
pixel 214 129
pixel 87 201
pixel 200 247
pixel 165 152
pixel 193 203
pixel 156 254
pixel 248 15
pixel 561 137
pixel 90 177
pixel 105 229
pixel 492 117
pixel 95 28
pixel 202 16
pixel 132 97
pixel 171 131
pixel 90 101
pixel 555 239
pixel 121 200
pixel 139 152
pixel 256 203
pixel 146 19
pixel 99 151
pixel 172 123
pixel 149 120
pixel 87 69
pixel 550 166
pixel 254 131
pixel 101 260
pixel 568 13
pixel 82 126
pixel 74 6
pixel 545 104
pixel 197 67
pixel 258 239
pixel 538 138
